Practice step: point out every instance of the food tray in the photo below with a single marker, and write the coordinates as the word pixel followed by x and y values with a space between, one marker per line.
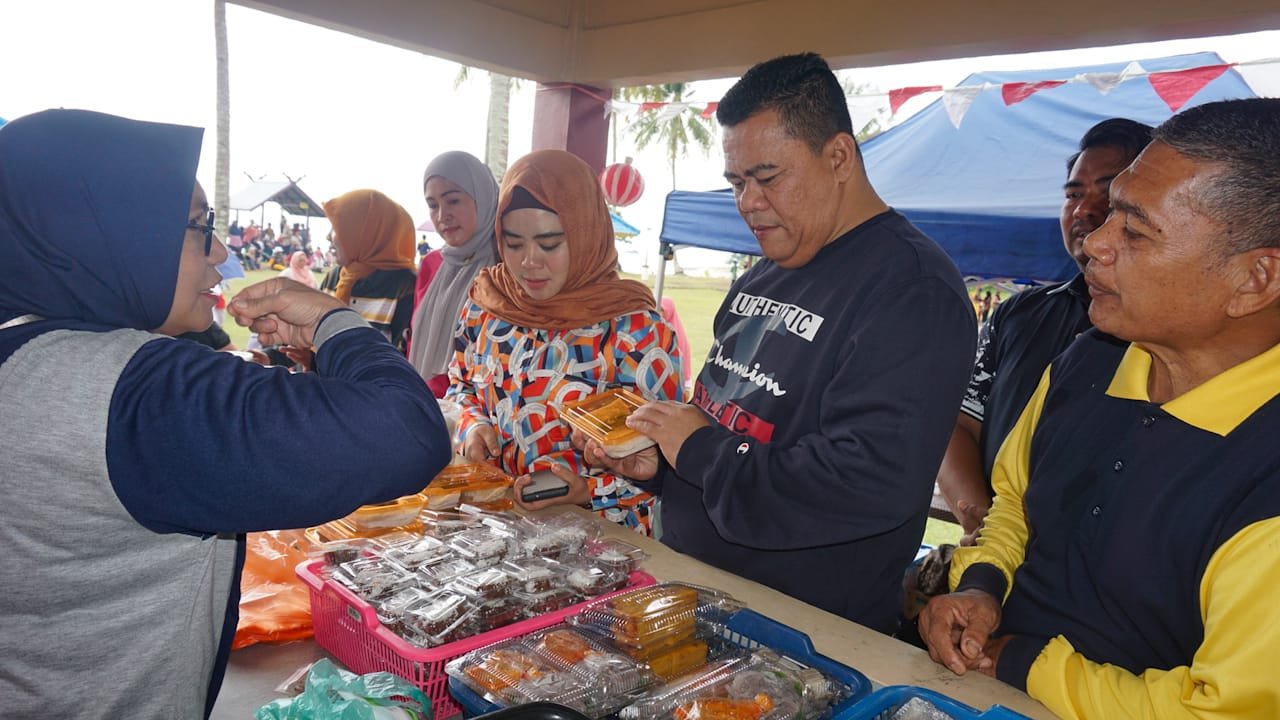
pixel 750 630
pixel 883 703
pixel 348 628
pixel 602 417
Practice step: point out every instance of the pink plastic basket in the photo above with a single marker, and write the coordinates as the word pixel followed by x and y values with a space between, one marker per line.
pixel 348 628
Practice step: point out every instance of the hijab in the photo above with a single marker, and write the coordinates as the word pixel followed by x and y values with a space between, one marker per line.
pixel 436 316
pixel 593 291
pixel 374 233
pixel 92 215
pixel 299 269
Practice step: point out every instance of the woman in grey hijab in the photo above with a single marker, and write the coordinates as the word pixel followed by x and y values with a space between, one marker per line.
pixel 463 198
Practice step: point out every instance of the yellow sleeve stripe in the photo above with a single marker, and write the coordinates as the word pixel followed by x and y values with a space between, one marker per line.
pixel 1232 674
pixel 1004 535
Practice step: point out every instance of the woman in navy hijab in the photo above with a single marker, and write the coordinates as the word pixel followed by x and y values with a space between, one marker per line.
pixel 129 470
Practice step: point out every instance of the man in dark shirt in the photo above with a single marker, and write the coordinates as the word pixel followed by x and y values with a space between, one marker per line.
pixel 807 458
pixel 1031 328
pixel 1127 569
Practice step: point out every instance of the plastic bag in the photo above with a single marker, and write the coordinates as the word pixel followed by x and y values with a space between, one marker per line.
pixel 275 606
pixel 333 694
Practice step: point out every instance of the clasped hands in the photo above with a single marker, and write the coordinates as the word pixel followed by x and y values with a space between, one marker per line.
pixel 957 630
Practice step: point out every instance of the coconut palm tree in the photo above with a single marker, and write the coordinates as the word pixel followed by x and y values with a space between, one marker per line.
pixel 222 171
pixel 497 129
pixel 675 128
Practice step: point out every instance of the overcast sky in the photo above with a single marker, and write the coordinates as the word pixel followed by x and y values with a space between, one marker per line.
pixel 339 112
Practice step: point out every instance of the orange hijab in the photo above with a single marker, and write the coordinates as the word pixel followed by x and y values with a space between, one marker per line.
pixel 593 291
pixel 373 232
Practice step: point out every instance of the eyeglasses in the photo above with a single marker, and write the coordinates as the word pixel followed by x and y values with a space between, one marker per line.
pixel 207 229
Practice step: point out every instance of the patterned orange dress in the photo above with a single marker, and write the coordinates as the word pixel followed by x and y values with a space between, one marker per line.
pixel 516 378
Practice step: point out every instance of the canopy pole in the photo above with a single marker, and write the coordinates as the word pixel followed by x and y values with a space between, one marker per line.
pixel 663 249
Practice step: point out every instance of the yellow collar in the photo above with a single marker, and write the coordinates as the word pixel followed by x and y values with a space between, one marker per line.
pixel 1217 406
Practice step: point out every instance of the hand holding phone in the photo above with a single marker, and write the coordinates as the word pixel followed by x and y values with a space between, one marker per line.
pixel 543 485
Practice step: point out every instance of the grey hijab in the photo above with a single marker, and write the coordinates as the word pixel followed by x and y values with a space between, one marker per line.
pixel 436 318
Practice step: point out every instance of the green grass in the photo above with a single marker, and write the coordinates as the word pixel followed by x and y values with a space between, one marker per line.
pixel 938 532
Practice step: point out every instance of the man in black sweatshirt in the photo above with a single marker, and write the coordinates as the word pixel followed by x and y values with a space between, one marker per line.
pixel 806 461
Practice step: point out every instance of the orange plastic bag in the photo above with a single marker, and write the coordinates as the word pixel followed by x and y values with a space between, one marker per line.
pixel 275 606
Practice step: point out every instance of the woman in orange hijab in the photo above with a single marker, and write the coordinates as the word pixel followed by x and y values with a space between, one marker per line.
pixel 553 323
pixel 374 243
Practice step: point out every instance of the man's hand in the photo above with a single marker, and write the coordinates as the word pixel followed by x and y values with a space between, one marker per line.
pixel 282 311
pixel 991 654
pixel 956 628
pixel 641 465
pixel 579 492
pixel 481 444
pixel 669 424
pixel 972 517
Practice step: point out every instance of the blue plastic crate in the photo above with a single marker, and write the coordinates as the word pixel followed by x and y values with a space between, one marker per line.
pixel 883 703
pixel 748 629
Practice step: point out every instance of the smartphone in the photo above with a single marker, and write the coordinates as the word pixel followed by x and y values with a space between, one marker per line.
pixel 543 485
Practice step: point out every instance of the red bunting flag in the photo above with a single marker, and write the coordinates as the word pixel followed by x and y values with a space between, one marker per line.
pixel 1176 87
pixel 901 95
pixel 1016 92
pixel 646 107
pixel 710 110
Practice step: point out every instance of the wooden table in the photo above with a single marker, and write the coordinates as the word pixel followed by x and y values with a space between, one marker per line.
pixel 254 671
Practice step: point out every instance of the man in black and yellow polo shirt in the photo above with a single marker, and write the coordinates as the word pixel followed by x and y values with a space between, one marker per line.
pixel 1128 567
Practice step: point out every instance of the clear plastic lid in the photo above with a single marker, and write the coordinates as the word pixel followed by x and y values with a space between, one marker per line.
pixel 534 575
pixel 597 663
pixel 603 417
pixel 541 603
pixel 759 686
pixel 432 616
pixel 415 551
pixel 653 619
pixel 377 578
pixel 616 554
pixel 485 584
pixel 590 579
pixel 555 536
pixel 484 546
pixel 494 671
pixel 441 574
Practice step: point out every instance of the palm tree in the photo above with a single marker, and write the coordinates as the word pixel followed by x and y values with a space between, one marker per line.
pixel 675 129
pixel 222 171
pixel 497 129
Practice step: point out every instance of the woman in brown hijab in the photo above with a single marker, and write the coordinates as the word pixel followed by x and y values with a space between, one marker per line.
pixel 374 243
pixel 553 323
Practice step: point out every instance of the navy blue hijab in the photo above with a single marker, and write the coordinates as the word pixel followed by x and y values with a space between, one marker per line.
pixel 92 214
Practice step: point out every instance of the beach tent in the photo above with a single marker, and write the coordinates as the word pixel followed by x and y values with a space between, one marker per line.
pixel 622 228
pixel 989 189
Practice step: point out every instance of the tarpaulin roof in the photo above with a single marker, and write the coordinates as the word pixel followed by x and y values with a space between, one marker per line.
pixel 989 191
pixel 287 194
pixel 622 228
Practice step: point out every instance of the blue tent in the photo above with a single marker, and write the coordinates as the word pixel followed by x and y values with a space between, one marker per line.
pixel 990 191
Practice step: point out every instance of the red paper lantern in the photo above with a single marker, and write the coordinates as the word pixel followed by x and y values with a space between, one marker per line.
pixel 622 184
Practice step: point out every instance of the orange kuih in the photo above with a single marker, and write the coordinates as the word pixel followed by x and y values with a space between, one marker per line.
pixel 603 418
pixel 725 708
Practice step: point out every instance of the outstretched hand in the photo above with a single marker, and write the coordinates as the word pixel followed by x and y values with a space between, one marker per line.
pixel 282 311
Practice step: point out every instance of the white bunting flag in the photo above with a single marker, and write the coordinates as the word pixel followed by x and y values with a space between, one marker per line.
pixel 958 99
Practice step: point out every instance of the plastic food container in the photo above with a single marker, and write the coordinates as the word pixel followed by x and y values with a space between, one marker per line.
pixel 616 554
pixel 560 664
pixel 347 627
pixel 746 631
pixel 886 703
pixel 603 418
